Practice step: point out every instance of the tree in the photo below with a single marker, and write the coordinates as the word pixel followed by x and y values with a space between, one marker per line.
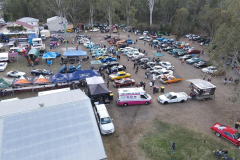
pixel 151 5
pixel 16 28
pixel 75 10
pixel 180 21
pixel 92 4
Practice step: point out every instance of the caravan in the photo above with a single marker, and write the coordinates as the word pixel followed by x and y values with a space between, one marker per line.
pixel 132 96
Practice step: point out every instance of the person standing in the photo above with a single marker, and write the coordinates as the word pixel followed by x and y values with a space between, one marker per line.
pixel 203 78
pixel 225 81
pixel 150 83
pixel 119 57
pixel 136 70
pixel 173 148
pixel 128 58
pixel 136 40
pixel 108 84
pixel 134 65
pixel 182 61
pixel 154 88
pixel 153 81
pixel 144 84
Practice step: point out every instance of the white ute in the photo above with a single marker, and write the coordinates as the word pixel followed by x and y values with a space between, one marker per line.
pixel 173 97
pixel 103 119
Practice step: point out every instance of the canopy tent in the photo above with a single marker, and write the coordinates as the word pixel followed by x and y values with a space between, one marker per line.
pixel 158 54
pixel 31 36
pixel 22 81
pixel 96 62
pixel 41 79
pixel 94 80
pixel 59 78
pixel 5 83
pixel 71 53
pixel 201 84
pixel 79 75
pixel 97 89
pixel 49 55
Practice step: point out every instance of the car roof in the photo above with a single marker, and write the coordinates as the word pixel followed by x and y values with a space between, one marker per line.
pixel 121 72
pixel 102 110
pixel 126 79
pixel 229 129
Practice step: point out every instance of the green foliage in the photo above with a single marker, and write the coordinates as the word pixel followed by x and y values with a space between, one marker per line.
pixel 157 144
pixel 16 28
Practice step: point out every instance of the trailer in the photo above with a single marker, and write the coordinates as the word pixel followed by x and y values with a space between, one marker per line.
pixel 202 89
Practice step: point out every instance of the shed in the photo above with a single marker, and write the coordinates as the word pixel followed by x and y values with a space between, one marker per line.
pixel 45 32
pixel 55 23
pixel 58 126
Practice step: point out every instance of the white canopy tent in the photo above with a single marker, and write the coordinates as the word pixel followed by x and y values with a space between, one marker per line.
pixel 94 80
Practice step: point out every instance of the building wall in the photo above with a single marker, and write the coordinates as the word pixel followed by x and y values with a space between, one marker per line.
pixel 4 30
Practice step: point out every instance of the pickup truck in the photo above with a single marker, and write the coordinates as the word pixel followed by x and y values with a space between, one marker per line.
pixel 173 97
pixel 71 69
pixel 171 79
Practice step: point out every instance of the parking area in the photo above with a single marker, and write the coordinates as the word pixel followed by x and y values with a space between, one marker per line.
pixel 134 121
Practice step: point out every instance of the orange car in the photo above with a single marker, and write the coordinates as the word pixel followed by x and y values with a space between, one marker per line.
pixel 181 47
pixel 119 43
pixel 171 79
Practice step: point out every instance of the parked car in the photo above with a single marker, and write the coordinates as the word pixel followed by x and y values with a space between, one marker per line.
pixel 36 72
pixel 193 51
pixel 173 97
pixel 219 72
pixel 54 39
pixel 187 48
pixel 226 132
pixel 193 60
pixel 129 41
pixel 109 64
pixel 154 68
pixel 167 48
pixel 144 60
pixel 123 82
pixel 171 79
pixel 119 75
pixel 161 73
pixel 3 66
pixel 185 57
pixel 104 121
pixel 167 65
pixel 117 68
pixel 148 65
pixel 209 69
pixel 201 64
pixel 15 74
pixel 108 59
pixel 107 36
pixel 94 30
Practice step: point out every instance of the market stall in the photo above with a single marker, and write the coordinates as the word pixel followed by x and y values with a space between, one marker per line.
pixel 74 55
pixel 22 81
pixel 80 75
pixel 40 80
pixel 202 89
pixel 59 78
pixel 49 56
pixel 5 83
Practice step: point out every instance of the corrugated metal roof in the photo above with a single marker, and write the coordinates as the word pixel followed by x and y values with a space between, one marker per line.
pixel 64 129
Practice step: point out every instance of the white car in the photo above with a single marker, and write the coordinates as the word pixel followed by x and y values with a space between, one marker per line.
pixel 144 37
pixel 173 97
pixel 145 32
pixel 94 30
pixel 167 65
pixel 209 69
pixel 3 66
pixel 163 73
pixel 154 68
pixel 103 119
pixel 15 74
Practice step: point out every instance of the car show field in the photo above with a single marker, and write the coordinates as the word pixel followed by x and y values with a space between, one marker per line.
pixel 134 124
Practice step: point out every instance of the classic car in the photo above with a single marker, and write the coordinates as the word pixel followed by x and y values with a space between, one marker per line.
pixel 185 57
pixel 209 69
pixel 94 30
pixel 119 75
pixel 161 73
pixel 108 59
pixel 148 65
pixel 193 60
pixel 166 34
pixel 3 66
pixel 154 68
pixel 171 79
pixel 69 30
pixel 123 82
pixel 201 64
pixel 109 64
pixel 117 68
pixel 36 72
pixel 173 97
pixel 168 48
pixel 193 51
pixel 15 74
pixel 167 65
pixel 226 132
pixel 102 56
pixel 54 39
pixel 143 60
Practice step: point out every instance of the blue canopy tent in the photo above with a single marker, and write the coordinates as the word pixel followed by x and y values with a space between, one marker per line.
pixel 57 78
pixel 74 54
pixel 79 75
pixel 49 55
pixel 31 36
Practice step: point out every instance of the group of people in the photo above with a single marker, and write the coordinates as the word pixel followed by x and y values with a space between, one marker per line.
pixel 4 92
pixel 230 80
pixel 221 153
pixel 208 79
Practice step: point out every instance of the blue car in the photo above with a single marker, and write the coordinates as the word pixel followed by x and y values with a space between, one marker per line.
pixel 108 59
pixel 129 41
pixel 160 39
pixel 122 25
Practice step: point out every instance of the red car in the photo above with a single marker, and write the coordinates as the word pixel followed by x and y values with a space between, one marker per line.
pixel 154 37
pixel 226 132
pixel 123 82
pixel 193 51
pixel 112 42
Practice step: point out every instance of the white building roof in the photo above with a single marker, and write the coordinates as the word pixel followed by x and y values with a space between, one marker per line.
pixel 65 128
pixel 55 18
pixel 28 19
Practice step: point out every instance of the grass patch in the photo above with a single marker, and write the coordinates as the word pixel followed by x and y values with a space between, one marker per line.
pixel 157 144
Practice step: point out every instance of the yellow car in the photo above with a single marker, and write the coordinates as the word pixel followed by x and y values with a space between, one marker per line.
pixel 69 30
pixel 103 56
pixel 119 75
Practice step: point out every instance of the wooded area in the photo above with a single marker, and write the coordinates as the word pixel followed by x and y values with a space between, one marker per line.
pixel 218 19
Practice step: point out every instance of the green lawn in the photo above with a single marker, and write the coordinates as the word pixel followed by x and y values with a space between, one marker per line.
pixel 157 144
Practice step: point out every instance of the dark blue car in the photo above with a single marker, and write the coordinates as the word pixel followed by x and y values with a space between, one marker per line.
pixel 108 59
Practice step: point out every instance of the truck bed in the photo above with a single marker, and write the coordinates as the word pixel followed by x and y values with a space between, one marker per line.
pixel 177 76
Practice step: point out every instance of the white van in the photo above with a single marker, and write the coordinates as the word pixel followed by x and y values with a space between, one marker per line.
pixel 132 96
pixel 103 119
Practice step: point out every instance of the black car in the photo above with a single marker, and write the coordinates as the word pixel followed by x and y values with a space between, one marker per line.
pixel 123 45
pixel 54 39
pixel 109 64
pixel 36 72
pixel 201 40
pixel 106 37
pixel 201 64
pixel 117 68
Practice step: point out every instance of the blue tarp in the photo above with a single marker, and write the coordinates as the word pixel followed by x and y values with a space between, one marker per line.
pixel 49 55
pixel 31 36
pixel 57 78
pixel 71 53
pixel 79 75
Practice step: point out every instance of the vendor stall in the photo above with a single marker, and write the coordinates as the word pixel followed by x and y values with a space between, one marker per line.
pixel 59 78
pixel 33 54
pixel 5 83
pixel 202 89
pixel 49 56
pixel 79 75
pixel 22 81
pixel 70 54
pixel 40 80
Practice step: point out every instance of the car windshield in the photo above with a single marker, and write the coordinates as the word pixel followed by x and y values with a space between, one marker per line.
pixel 122 80
pixel 236 135
pixel 168 95
pixel 146 95
pixel 105 120
pixel 117 74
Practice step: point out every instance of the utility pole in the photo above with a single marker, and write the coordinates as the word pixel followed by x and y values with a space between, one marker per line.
pixel 65 33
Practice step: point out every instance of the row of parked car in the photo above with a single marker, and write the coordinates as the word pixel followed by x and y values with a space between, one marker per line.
pixel 198 38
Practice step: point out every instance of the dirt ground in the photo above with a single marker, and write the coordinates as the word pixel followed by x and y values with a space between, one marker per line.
pixel 133 121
